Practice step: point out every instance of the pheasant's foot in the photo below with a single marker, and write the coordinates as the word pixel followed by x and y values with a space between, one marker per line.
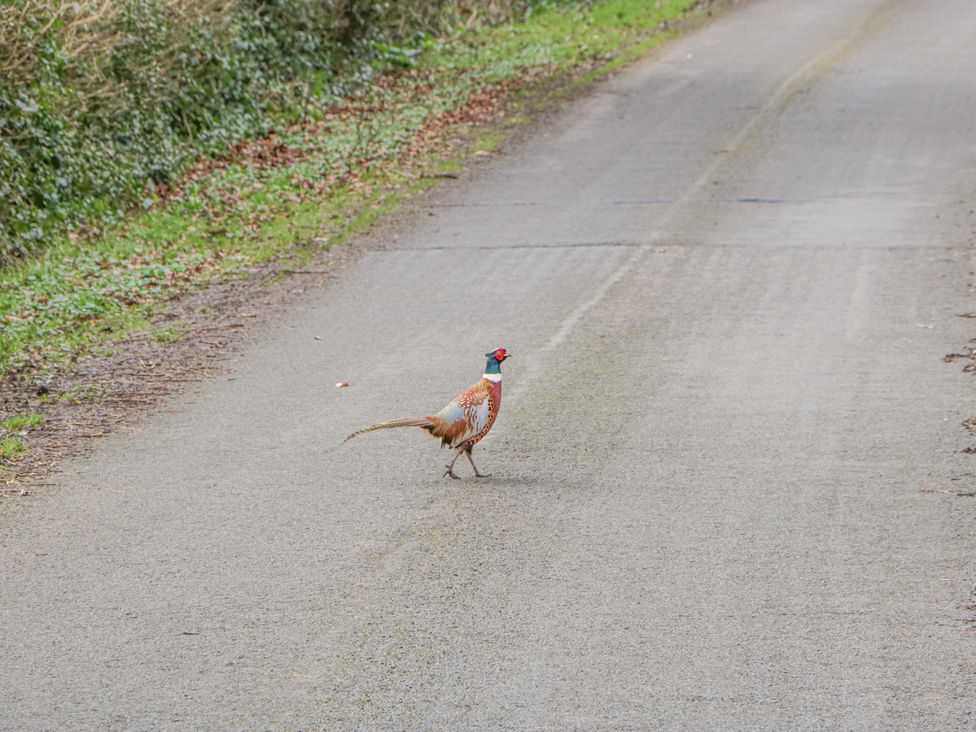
pixel 474 467
pixel 450 472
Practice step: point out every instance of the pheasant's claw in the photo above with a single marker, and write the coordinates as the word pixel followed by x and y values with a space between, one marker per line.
pixel 450 472
pixel 482 475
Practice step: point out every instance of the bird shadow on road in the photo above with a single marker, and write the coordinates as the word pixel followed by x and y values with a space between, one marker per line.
pixel 494 481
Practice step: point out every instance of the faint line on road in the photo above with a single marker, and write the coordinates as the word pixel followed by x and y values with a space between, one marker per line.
pixel 535 365
pixel 708 201
pixel 664 244
pixel 805 76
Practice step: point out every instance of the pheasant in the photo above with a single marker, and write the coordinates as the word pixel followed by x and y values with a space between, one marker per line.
pixel 466 420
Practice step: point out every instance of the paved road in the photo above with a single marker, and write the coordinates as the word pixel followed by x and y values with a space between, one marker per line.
pixel 728 277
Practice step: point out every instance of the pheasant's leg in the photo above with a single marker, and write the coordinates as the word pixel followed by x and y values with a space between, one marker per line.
pixel 450 468
pixel 476 473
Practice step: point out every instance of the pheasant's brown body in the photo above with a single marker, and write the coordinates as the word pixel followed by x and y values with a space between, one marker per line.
pixel 466 420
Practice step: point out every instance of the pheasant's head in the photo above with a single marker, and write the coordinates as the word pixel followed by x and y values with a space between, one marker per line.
pixel 495 359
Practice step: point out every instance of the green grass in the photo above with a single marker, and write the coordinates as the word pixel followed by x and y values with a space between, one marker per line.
pixel 83 393
pixel 12 443
pixel 168 333
pixel 339 171
pixel 11 446
pixel 563 38
pixel 20 422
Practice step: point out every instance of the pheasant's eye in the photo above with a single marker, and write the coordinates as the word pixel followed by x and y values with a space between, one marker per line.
pixel 500 354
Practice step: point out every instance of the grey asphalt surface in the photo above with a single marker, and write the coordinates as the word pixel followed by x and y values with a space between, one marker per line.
pixel 727 486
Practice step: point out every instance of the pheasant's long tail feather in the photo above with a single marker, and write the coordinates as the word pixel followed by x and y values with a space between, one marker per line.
pixel 408 422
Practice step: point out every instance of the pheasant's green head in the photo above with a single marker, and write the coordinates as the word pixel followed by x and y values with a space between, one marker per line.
pixel 495 359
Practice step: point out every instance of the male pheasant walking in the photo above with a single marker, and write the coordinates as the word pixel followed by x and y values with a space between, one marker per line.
pixel 462 423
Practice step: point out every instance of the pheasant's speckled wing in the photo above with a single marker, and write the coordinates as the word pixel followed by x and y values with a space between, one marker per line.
pixel 465 417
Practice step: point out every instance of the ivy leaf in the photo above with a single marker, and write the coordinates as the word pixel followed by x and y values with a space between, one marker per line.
pixel 27 105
